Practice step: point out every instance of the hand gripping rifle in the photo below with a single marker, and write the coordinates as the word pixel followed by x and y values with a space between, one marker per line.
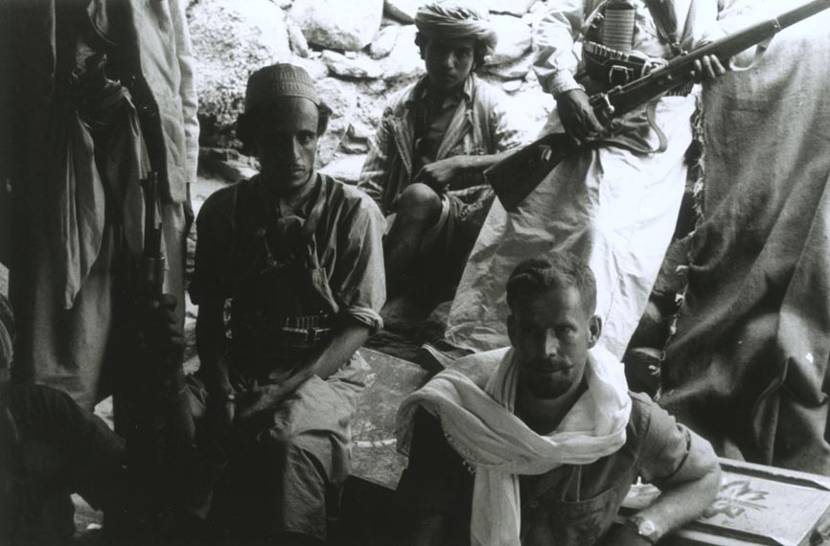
pixel 517 175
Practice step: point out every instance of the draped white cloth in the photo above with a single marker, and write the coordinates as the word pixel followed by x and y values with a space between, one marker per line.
pixel 482 427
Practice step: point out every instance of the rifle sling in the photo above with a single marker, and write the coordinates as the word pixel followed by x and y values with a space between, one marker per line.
pixel 665 21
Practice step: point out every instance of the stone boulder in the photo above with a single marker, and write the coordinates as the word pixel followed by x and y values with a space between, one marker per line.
pixel 404 62
pixel 384 42
pixel 346 169
pixel 515 70
pixel 515 39
pixel 336 24
pixel 316 68
pixel 341 97
pixel 230 40
pixel 358 135
pixel 296 38
pixel 352 67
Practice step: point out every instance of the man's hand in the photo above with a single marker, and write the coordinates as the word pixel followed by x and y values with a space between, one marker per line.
pixel 625 535
pixel 707 68
pixel 262 398
pixel 577 116
pixel 440 174
pixel 159 332
pixel 221 402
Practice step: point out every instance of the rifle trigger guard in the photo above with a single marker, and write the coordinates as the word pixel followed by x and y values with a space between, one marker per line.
pixel 607 108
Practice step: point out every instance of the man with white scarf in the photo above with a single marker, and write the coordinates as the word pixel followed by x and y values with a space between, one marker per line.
pixel 549 435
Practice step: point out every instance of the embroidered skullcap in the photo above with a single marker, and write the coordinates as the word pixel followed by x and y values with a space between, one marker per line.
pixel 455 19
pixel 279 80
pixel 6 333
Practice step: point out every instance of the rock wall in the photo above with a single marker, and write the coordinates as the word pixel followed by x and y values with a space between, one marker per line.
pixel 358 51
pixel 229 37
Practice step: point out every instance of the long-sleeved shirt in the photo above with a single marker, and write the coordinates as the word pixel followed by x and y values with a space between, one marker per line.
pixel 480 126
pixel 347 241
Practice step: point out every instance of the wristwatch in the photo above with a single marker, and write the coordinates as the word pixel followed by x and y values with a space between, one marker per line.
pixel 644 528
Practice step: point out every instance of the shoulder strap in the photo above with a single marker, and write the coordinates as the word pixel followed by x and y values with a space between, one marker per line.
pixel 310 225
pixel 665 20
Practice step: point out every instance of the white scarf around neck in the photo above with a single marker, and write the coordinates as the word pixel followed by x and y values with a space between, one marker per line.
pixel 483 428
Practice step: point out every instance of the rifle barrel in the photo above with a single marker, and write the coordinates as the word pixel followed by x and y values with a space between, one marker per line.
pixel 809 9
pixel 628 97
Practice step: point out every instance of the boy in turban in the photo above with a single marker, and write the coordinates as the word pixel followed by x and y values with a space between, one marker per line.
pixel 435 139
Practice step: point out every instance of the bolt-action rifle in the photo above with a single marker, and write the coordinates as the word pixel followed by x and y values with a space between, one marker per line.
pixel 152 258
pixel 516 176
pixel 159 442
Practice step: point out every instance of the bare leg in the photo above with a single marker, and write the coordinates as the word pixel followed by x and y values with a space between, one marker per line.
pixel 418 209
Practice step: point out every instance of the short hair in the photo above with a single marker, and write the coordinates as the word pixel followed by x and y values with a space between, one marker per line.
pixel 481 49
pixel 248 123
pixel 537 276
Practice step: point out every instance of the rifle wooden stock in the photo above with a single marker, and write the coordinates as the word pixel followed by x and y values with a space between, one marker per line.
pixel 517 175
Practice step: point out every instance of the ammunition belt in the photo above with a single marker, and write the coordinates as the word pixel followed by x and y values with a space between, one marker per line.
pixel 294 330
pixel 609 67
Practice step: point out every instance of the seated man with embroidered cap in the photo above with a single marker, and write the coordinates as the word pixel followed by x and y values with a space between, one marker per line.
pixel 298 257
pixel 435 139
pixel 538 443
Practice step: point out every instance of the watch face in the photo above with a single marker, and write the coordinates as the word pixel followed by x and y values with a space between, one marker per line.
pixel 646 527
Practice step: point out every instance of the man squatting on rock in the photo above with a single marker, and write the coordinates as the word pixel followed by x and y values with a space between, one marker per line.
pixel 435 139
pixel 538 444
pixel 299 256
